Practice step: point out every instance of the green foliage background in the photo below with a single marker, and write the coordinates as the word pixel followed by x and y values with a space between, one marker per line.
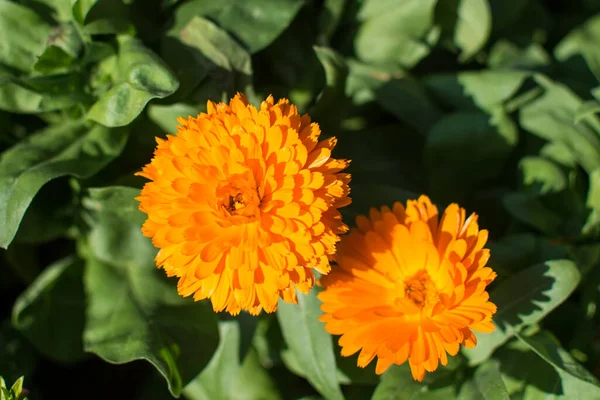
pixel 489 103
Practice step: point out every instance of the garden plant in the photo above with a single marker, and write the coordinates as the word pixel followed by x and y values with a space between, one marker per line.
pixel 299 199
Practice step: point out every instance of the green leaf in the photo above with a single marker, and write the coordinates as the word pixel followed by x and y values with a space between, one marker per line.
pixel 24 35
pixel 255 24
pixel 330 18
pixel 144 76
pixel 582 40
pixel 64 48
pixel 53 207
pixel 469 23
pixel 215 380
pixel 551 117
pixel 485 90
pixel 489 381
pixel 507 55
pixel 571 372
pixel 68 149
pixel 166 116
pixel 43 93
pixel 586 110
pixel 541 175
pixel 473 133
pixel 395 32
pixel 332 103
pixel 529 209
pixel 310 344
pixel 253 381
pixel 397 383
pixel 513 253
pixel 524 299
pixel 217 57
pixel 593 203
pixel 133 312
pixel 407 100
pixel 81 8
pixel 50 312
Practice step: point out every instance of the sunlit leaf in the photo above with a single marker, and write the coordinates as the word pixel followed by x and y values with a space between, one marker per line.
pixel 24 35
pixel 489 382
pixel 256 24
pixel 470 22
pixel 144 77
pixel 395 31
pixel 309 342
pixel 524 299
pixel 133 312
pixel 69 149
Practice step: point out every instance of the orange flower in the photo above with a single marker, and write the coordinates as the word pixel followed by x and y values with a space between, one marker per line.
pixel 408 286
pixel 243 204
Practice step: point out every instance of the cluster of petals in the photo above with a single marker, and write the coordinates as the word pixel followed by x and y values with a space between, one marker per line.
pixel 243 204
pixel 409 286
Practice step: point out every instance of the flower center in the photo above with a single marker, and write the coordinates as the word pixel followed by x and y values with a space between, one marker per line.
pixel 239 198
pixel 420 289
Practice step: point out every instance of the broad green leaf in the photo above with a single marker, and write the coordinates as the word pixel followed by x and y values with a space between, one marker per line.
pixel 473 133
pixel 364 79
pixel 215 381
pixel 593 202
pixel 166 116
pixel 68 149
pixel 43 93
pixel 330 18
pixel 575 379
pixel 407 100
pixel 505 54
pixel 397 383
pixel 110 17
pixel 582 40
pixel 513 253
pixel 218 57
pixel 253 381
pixel 62 10
pixel 53 207
pixel 81 8
pixel 54 60
pixel 560 153
pixel 62 52
pixel 489 381
pixel 133 312
pixel 310 344
pixel 470 22
pixel 24 35
pixel 529 209
pixel 587 109
pixel 525 373
pixel 255 24
pixel 143 75
pixel 541 175
pixel 552 116
pixel 332 102
pixel 486 89
pixel 395 32
pixel 523 299
pixel 50 312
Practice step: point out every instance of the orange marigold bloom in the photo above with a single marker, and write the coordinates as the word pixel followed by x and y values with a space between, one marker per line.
pixel 408 286
pixel 243 204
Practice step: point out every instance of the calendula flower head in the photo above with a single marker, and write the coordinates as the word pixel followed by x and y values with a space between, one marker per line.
pixel 409 286
pixel 243 204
